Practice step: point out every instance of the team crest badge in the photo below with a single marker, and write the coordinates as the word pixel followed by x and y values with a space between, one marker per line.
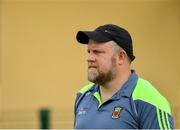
pixel 116 112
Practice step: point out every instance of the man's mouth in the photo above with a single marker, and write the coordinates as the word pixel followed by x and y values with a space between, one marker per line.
pixel 89 67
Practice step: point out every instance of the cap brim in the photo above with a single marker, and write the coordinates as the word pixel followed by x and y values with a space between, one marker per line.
pixel 84 36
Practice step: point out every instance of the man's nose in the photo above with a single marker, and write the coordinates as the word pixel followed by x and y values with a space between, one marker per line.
pixel 91 58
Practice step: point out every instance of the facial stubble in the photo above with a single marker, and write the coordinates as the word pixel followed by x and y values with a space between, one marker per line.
pixel 100 77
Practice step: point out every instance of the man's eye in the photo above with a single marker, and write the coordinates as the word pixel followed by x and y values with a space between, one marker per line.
pixel 97 51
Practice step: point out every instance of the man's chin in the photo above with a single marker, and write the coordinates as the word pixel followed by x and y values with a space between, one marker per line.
pixel 92 78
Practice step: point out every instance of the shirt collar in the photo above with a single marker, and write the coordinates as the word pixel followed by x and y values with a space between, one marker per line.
pixel 95 88
pixel 128 87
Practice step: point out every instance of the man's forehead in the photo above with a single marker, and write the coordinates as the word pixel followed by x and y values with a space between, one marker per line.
pixel 94 44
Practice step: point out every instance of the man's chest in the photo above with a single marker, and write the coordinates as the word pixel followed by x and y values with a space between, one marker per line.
pixel 112 114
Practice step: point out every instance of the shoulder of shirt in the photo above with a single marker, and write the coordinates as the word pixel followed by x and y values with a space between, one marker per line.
pixel 86 88
pixel 145 91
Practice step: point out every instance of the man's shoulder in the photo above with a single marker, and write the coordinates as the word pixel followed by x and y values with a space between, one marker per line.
pixel 86 88
pixel 82 92
pixel 145 91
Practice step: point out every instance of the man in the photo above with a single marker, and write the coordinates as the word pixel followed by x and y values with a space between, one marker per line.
pixel 118 98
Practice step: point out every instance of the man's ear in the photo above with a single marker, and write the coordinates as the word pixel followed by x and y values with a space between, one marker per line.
pixel 121 57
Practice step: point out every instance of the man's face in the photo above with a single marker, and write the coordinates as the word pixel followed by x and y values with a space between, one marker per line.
pixel 101 60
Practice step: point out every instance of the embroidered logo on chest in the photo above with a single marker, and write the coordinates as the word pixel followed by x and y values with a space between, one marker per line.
pixel 116 112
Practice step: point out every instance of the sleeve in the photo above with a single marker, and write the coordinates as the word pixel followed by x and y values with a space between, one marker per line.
pixel 152 117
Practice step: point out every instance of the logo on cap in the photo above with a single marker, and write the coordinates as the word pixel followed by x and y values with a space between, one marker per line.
pixel 116 112
pixel 106 31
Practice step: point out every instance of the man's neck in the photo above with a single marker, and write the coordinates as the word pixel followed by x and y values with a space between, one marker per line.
pixel 110 88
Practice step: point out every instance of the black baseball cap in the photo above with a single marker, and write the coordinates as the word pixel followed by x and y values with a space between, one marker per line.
pixel 109 32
